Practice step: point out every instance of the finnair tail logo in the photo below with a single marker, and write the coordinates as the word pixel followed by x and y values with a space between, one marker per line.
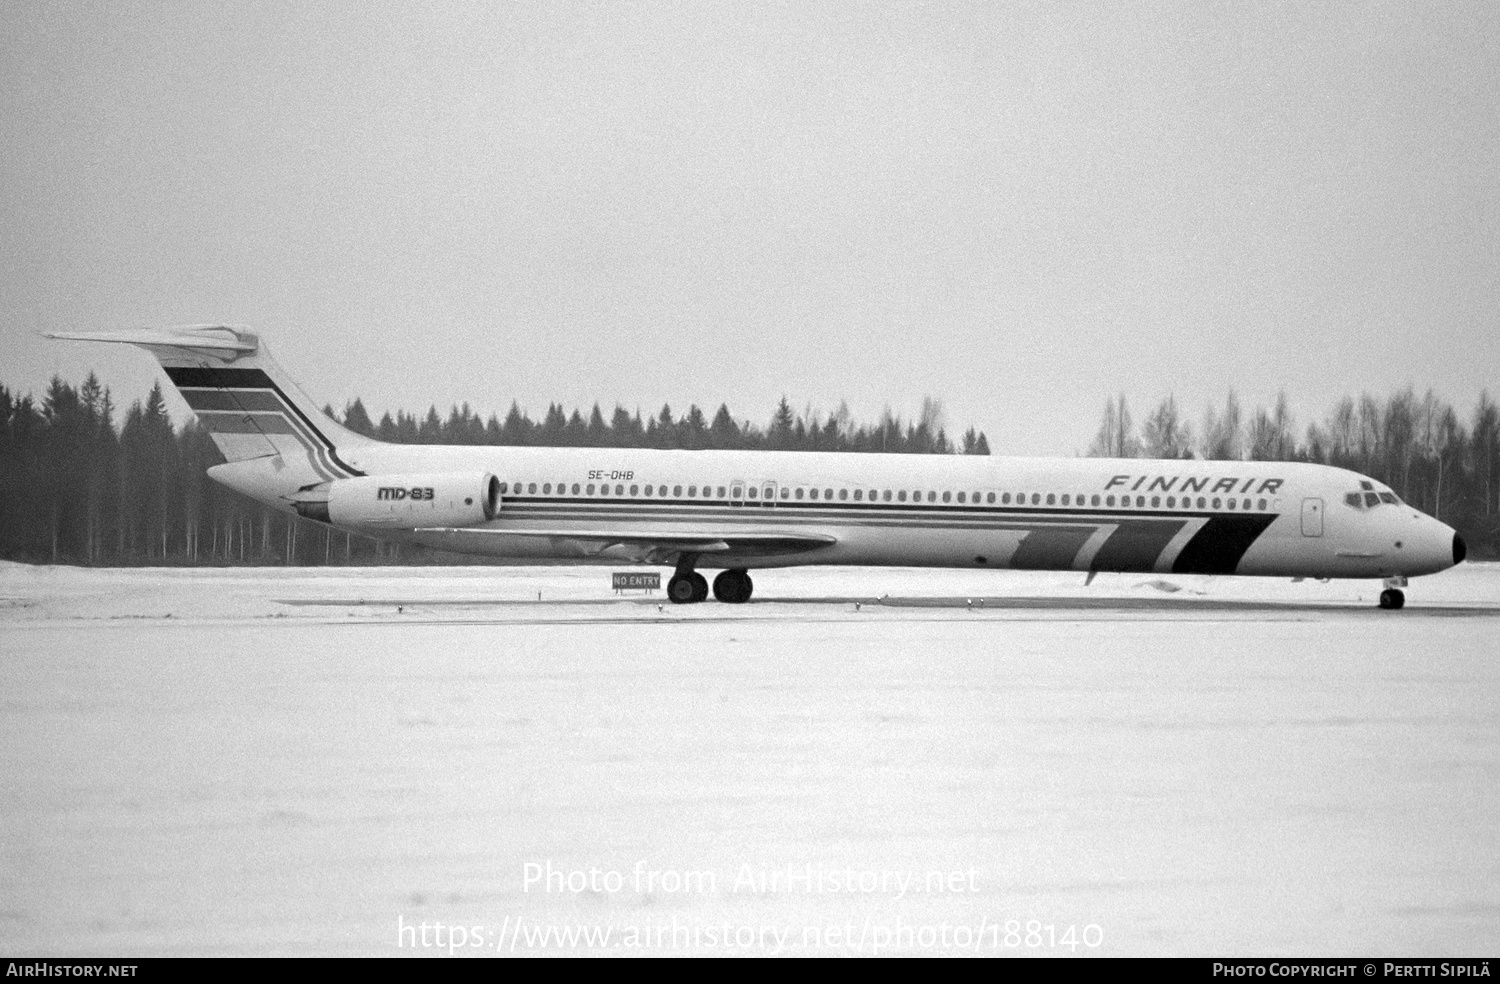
pixel 416 494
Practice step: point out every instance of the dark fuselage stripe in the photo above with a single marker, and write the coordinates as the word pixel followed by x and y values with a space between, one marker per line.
pixel 760 514
pixel 1053 537
pixel 1220 545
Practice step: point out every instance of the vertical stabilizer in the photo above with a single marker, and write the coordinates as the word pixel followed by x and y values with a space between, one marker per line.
pixel 242 397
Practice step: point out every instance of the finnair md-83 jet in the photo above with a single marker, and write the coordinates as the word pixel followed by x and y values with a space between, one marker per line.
pixel 741 510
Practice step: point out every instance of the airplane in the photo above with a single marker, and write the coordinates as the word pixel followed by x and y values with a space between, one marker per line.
pixel 738 511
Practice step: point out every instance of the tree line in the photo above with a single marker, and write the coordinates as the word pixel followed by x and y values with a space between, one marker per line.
pixel 1445 464
pixel 78 486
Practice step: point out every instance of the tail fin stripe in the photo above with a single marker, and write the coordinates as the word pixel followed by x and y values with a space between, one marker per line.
pixel 238 389
pixel 207 377
pixel 213 400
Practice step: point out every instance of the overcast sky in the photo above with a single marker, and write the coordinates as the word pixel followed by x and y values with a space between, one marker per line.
pixel 1017 208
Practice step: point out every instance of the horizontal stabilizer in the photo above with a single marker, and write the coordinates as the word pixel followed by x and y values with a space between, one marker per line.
pixel 216 340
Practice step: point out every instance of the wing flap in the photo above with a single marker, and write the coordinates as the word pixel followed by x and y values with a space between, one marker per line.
pixel 586 542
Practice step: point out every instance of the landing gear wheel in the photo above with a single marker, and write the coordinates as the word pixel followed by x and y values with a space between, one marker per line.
pixel 1392 599
pixel 700 587
pixel 733 587
pixel 682 590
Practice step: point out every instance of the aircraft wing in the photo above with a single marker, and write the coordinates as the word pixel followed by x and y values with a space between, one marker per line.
pixel 654 546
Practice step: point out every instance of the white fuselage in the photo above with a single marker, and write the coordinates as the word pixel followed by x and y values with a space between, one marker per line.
pixel 1086 514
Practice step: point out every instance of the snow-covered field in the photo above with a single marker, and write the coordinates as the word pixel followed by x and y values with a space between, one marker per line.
pixel 341 762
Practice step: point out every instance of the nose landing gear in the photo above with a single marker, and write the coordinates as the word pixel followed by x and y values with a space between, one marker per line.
pixel 1392 597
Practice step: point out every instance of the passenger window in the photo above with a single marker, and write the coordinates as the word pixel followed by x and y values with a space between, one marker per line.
pixel 1155 501
pixel 812 493
pixel 1109 500
pixel 590 488
pixel 947 496
pixel 531 489
pixel 1216 503
pixel 604 490
pixel 1051 499
pixel 736 491
pixel 1262 505
pixel 503 487
pixel 901 495
pixel 989 497
pixel 1094 501
pixel 620 490
pixel 1201 502
pixel 800 493
pixel 1171 502
pixel 828 493
pixel 648 490
pixel 961 498
pixel 677 491
pixel 575 488
pixel 692 491
pixel 843 494
pixel 635 490
pixel 721 492
pixel 859 495
pixel 750 492
pixel 547 489
pixel 1230 503
pixel 1140 502
pixel 785 492
pixel 886 495
pixel 1006 499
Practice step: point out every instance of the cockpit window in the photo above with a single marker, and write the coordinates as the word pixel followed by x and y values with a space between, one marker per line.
pixel 1369 498
pixel 1367 486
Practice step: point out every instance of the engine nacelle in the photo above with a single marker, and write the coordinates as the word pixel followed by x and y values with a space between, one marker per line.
pixel 405 502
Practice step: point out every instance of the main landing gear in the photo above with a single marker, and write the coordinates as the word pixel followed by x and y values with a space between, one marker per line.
pixel 687 586
pixel 1392 597
pixel 733 586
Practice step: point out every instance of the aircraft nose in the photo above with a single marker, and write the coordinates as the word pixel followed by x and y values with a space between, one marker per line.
pixel 1460 549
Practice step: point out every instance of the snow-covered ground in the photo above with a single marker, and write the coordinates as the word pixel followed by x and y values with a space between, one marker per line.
pixel 327 761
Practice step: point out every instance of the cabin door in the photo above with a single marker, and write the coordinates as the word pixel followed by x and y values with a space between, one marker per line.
pixel 1312 517
pixel 768 495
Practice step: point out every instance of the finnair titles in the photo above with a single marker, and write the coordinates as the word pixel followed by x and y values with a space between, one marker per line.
pixel 736 511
